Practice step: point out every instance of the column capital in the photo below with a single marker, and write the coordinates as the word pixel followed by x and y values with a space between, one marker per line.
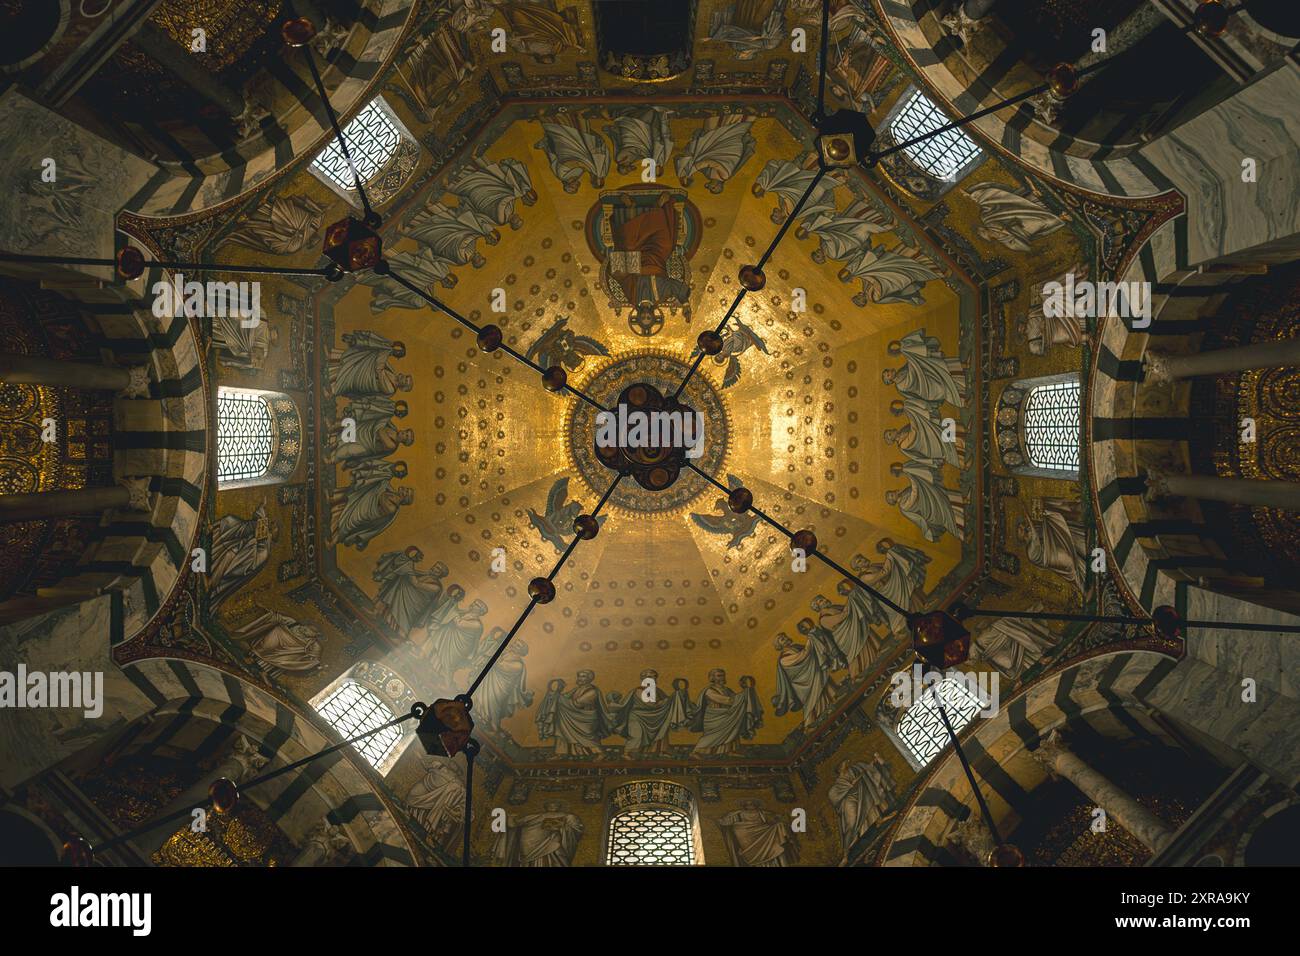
pixel 1156 369
pixel 972 836
pixel 1157 487
pixel 138 385
pixel 138 491
pixel 1049 749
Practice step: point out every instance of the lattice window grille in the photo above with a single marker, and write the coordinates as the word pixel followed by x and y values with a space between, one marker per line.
pixel 1051 426
pixel 245 435
pixel 372 139
pixel 921 728
pixel 352 710
pixel 651 837
pixel 943 155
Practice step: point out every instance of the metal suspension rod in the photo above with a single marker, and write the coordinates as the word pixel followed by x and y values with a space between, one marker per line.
pixel 821 73
pixel 338 132
pixel 153 824
pixel 1119 619
pixel 817 553
pixel 470 753
pixel 456 316
pixel 166 264
pixel 767 254
pixel 965 765
pixel 505 641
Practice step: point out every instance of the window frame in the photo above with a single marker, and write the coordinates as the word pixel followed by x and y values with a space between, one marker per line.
pixel 384 761
pixel 662 796
pixel 379 105
pixel 959 717
pixel 229 395
pixel 1028 428
pixel 906 100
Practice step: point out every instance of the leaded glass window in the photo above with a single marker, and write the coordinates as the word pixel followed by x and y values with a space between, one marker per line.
pixel 1051 426
pixel 353 709
pixel 245 435
pixel 651 837
pixel 372 139
pixel 921 728
pixel 944 155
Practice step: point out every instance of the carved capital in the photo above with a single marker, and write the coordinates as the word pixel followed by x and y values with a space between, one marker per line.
pixel 138 489
pixel 138 386
pixel 972 836
pixel 1049 748
pixel 1155 369
pixel 1046 105
pixel 959 25
pixel 1157 487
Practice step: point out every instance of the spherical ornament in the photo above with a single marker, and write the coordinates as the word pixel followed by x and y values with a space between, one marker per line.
pixel 224 794
pixel 1211 18
pixel 838 149
pixel 585 527
pixel 752 278
pixel 1063 80
pixel 804 540
pixel 489 338
pixel 541 590
pixel 298 31
pixel 554 379
pixel 1168 622
pixel 740 500
pixel 77 852
pixel 710 342
pixel 130 262
pixel 1006 855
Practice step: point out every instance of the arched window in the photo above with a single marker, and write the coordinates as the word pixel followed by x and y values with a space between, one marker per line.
pixel 372 138
pixel 1039 426
pixel 653 823
pixel 1051 426
pixel 921 728
pixel 948 156
pixel 353 709
pixel 245 435
pixel 259 437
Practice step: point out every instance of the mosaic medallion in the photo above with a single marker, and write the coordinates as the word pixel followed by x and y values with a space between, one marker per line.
pixel 663 373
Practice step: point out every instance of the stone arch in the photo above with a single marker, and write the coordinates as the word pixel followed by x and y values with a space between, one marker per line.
pixel 203 700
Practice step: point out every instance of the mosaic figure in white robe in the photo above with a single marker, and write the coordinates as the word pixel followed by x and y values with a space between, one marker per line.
pixel 926 502
pixel 926 375
pixel 573 149
pixel 716 151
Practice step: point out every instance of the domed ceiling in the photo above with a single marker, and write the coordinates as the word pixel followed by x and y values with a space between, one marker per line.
pixel 800 407
pixel 849 395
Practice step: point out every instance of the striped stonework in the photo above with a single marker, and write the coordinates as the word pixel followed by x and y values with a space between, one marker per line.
pixel 299 127
pixel 1136 428
pixel 1107 692
pixel 1201 158
pixel 199 708
pixel 163 438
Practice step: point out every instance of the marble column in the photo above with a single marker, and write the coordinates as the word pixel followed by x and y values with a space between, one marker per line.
pixel 1060 761
pixel 133 382
pixel 1284 495
pixel 130 493
pixel 1167 368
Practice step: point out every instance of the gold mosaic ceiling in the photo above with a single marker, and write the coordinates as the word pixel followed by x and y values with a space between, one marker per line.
pixel 802 426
